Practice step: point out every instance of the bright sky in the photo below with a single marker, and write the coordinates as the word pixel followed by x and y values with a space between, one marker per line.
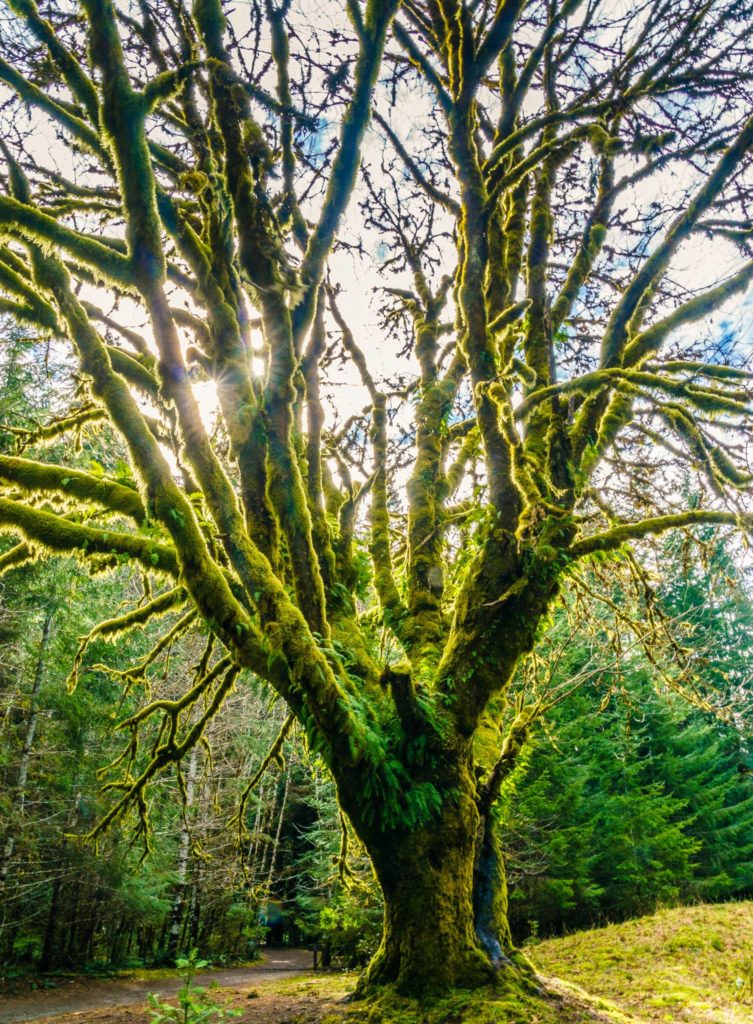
pixel 699 263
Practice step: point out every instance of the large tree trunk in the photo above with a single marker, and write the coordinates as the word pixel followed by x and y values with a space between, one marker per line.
pixel 444 888
pixel 429 938
pixel 427 879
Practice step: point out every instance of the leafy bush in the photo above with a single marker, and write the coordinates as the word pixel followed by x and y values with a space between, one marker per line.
pixel 351 928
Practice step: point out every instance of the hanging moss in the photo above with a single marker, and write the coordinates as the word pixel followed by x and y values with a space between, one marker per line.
pixel 19 554
pixel 137 617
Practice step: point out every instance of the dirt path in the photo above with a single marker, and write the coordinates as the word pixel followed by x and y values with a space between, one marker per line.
pixel 81 996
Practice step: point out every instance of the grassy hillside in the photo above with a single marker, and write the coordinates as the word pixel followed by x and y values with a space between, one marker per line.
pixel 691 964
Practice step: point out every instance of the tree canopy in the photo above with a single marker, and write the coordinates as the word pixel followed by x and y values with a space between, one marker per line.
pixel 191 196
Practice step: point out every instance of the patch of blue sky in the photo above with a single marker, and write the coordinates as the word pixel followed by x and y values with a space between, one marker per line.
pixel 318 141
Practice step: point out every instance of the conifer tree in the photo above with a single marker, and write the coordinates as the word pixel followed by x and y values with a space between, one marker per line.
pixel 633 796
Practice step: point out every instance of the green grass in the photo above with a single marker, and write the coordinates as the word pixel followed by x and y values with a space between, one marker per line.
pixel 690 965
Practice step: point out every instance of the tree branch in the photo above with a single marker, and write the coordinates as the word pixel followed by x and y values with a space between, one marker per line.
pixel 612 539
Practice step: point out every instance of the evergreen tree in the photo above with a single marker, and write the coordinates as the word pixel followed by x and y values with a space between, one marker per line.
pixel 632 796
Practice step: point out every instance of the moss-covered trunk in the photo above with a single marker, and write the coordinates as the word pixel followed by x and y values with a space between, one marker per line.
pixel 429 937
pixel 490 898
pixel 427 879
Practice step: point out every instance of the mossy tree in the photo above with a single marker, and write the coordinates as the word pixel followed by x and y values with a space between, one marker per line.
pixel 558 381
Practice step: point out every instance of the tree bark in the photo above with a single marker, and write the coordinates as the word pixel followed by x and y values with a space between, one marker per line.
pixel 25 762
pixel 184 850
pixel 426 876
pixel 278 833
pixel 48 949
pixel 490 898
pixel 444 889
pixel 429 939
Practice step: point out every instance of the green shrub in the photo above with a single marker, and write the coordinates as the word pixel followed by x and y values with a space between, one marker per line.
pixel 193 1005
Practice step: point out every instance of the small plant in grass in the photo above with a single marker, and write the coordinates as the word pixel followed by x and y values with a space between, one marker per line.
pixel 744 980
pixel 193 1005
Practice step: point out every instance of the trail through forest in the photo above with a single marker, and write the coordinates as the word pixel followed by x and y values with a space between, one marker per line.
pixel 88 996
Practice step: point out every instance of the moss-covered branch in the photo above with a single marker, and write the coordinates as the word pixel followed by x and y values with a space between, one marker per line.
pixel 477 340
pixel 287 654
pixel 31 476
pixel 19 554
pixel 393 609
pixel 376 22
pixel 263 261
pixel 135 618
pixel 710 398
pixel 587 426
pixel 281 54
pixel 493 43
pixel 54 533
pixel 34 96
pixel 422 62
pixel 315 417
pixel 594 236
pixel 78 81
pixel 611 540
pixel 538 339
pixel 273 755
pixel 515 739
pixel 170 750
pixel 423 633
pixel 104 262
pixel 71 421
pixel 649 341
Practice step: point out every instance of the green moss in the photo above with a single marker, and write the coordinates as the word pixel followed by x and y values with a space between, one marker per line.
pixel 688 962
pixel 107 264
pixel 35 96
pixel 79 83
pixel 31 476
pixel 511 1003
pixel 54 533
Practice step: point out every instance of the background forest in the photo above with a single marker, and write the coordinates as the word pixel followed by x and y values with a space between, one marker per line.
pixel 628 795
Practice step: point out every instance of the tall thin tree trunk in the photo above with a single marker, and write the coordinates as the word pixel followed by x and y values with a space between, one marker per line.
pixel 253 846
pixel 184 850
pixel 23 768
pixel 46 959
pixel 278 833
pixel 264 839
